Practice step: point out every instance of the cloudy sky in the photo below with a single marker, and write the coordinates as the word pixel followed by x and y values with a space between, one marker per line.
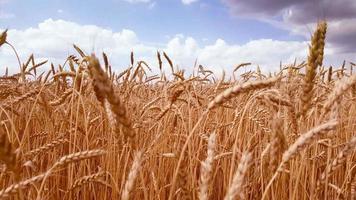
pixel 219 33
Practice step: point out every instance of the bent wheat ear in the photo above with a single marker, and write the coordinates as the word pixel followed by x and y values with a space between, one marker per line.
pixel 245 87
pixel 46 147
pixel 339 89
pixel 340 158
pixel 22 97
pixel 13 189
pixel 305 139
pixel 62 98
pixel 298 146
pixel 87 179
pixel 79 156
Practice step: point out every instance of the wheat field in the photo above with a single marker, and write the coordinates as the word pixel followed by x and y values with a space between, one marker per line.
pixel 80 131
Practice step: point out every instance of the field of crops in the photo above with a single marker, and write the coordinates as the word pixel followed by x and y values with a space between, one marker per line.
pixel 80 131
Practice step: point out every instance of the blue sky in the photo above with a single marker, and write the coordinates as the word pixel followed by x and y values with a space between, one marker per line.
pixel 264 32
pixel 153 20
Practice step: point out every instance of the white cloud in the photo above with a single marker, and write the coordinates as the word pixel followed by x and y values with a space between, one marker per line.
pixel 59 11
pixel 187 2
pixel 53 40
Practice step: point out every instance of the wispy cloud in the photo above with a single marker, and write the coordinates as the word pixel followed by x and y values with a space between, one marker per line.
pixel 187 2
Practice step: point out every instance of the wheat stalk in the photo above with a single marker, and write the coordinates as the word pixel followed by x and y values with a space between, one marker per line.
pixel 298 146
pixel 338 161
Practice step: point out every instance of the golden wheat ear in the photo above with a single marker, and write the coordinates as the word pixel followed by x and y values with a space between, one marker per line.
pixel 65 160
pixel 236 187
pixel 315 59
pixel 3 37
pixel 241 88
pixel 207 169
pixel 110 100
pixel 136 165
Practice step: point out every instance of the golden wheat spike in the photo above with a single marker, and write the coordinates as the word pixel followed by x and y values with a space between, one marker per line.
pixel 3 37
pixel 245 87
pixel 315 59
pixel 105 93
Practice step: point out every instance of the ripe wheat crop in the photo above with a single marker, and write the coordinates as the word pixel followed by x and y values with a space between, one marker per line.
pixel 81 131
